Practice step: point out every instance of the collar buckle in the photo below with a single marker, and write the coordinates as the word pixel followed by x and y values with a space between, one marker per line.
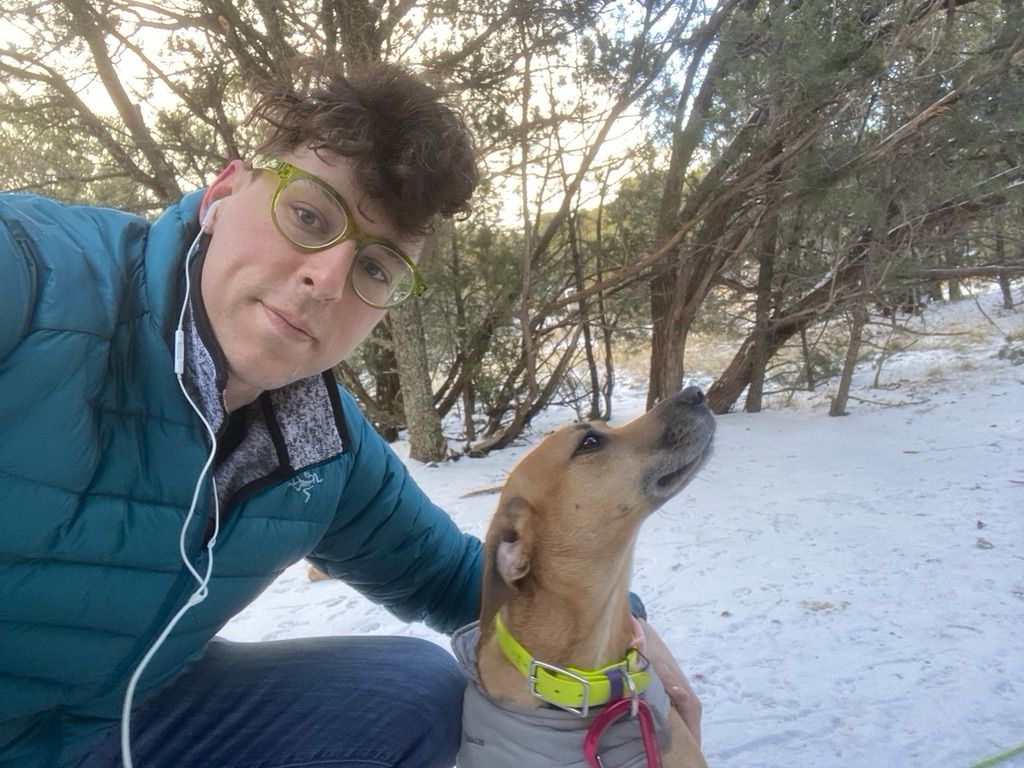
pixel 532 679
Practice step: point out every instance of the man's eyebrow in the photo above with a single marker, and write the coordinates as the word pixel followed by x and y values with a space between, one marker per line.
pixel 329 192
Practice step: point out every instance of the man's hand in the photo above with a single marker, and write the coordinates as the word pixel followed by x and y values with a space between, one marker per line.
pixel 683 699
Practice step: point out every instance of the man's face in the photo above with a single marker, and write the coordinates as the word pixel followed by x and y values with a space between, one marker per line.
pixel 280 313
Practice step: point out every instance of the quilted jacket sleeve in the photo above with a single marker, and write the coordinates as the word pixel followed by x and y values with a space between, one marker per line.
pixel 18 279
pixel 392 544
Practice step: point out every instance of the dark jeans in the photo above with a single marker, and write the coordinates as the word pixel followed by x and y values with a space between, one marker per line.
pixel 325 702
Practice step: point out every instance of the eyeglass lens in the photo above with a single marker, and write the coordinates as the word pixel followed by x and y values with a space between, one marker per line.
pixel 311 217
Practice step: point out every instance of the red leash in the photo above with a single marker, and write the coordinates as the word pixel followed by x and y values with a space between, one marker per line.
pixel 609 715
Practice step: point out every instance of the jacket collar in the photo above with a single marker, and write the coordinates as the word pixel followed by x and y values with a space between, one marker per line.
pixel 167 242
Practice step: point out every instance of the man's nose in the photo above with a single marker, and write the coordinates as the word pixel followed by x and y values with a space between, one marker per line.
pixel 326 272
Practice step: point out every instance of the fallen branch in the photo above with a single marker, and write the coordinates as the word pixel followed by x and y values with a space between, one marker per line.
pixel 482 490
pixel 900 404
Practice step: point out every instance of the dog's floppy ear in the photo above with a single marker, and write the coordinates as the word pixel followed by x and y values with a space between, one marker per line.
pixel 506 556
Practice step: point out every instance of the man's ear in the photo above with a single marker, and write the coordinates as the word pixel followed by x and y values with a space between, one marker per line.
pixel 225 183
pixel 507 550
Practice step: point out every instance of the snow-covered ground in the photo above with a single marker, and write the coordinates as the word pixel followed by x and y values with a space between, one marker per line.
pixel 840 591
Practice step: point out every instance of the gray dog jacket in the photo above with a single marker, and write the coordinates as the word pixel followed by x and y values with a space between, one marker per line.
pixel 501 735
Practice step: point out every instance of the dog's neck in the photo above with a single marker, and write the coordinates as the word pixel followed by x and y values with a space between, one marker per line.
pixel 561 622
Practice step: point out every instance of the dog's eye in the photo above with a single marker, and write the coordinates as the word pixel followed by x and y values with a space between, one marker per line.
pixel 590 442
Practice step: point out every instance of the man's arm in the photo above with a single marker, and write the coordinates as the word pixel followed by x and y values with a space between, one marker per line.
pixel 683 699
pixel 392 544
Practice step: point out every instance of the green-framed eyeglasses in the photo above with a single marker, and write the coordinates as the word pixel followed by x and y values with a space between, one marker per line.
pixel 312 215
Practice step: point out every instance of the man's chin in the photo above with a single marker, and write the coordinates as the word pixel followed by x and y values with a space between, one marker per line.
pixel 246 383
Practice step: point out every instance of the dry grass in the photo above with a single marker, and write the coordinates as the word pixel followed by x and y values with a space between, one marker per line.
pixel 705 355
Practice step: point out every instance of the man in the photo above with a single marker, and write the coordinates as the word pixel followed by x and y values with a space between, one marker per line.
pixel 173 439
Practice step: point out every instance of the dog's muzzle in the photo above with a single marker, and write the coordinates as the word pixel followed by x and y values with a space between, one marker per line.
pixel 688 427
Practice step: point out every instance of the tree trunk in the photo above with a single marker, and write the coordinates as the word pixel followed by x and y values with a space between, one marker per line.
pixel 805 349
pixel 1004 286
pixel 356 28
pixel 727 388
pixel 834 294
pixel 462 334
pixel 766 255
pixel 677 294
pixel 668 337
pixel 426 442
pixel 860 318
pixel 1004 279
pixel 468 411
pixel 608 386
pixel 594 412
pixel 812 307
pixel 383 366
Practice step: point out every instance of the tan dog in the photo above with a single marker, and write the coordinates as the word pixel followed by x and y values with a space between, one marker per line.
pixel 558 555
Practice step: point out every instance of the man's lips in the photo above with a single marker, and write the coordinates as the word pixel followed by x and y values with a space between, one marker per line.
pixel 286 324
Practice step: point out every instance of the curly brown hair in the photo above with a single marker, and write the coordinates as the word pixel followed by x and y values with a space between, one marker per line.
pixel 412 152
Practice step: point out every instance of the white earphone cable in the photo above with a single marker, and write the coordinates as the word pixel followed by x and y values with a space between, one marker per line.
pixel 203 580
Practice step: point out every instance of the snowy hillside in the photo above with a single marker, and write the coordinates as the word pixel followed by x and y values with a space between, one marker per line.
pixel 841 591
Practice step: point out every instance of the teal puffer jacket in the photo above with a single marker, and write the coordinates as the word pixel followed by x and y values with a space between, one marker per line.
pixel 99 455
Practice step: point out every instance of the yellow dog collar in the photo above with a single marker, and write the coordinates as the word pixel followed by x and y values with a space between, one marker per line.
pixel 571 688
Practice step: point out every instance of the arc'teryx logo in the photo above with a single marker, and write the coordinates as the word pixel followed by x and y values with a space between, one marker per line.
pixel 304 483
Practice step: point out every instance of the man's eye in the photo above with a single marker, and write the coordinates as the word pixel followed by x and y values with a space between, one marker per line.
pixel 375 271
pixel 590 442
pixel 307 217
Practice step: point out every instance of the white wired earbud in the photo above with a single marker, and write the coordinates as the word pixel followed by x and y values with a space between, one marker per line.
pixel 206 222
pixel 203 580
pixel 179 334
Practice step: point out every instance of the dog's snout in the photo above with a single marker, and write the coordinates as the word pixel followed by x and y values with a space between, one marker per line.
pixel 692 395
pixel 687 427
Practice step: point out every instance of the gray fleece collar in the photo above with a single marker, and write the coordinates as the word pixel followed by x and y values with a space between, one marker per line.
pixel 286 429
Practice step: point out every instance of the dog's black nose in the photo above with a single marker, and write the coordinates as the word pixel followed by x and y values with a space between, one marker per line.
pixel 692 395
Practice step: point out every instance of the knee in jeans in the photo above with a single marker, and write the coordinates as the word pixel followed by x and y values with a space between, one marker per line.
pixel 432 721
pixel 443 677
